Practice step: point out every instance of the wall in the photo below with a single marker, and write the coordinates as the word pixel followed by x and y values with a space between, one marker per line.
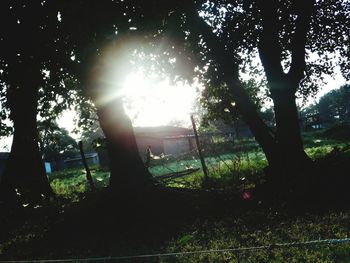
pixel 176 145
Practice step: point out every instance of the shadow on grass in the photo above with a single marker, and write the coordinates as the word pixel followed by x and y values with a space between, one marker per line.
pixel 166 219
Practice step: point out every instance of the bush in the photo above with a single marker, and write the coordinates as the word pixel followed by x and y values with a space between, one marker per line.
pixel 338 132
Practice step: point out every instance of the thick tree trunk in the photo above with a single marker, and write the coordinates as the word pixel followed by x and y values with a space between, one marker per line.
pixel 283 86
pixel 293 159
pixel 128 172
pixel 288 134
pixel 25 171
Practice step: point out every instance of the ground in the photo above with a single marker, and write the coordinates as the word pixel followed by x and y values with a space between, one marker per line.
pixel 187 215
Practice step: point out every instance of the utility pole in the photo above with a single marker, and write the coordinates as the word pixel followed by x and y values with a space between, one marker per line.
pixel 204 167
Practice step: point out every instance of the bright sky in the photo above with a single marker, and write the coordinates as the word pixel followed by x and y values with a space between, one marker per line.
pixel 331 83
pixel 150 103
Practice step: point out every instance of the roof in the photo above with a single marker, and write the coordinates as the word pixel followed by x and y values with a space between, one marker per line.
pixel 78 158
pixel 161 131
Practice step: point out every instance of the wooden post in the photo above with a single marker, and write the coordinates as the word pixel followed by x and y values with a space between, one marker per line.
pixel 204 167
pixel 88 173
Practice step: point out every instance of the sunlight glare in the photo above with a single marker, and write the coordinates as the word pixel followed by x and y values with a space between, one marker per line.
pixel 150 102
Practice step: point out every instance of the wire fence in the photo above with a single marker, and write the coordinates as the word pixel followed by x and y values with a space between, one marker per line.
pixel 311 244
pixel 224 156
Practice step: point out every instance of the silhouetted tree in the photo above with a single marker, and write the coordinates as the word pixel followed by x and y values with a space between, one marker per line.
pixel 334 106
pixel 55 142
pixel 34 83
pixel 285 33
pixel 210 40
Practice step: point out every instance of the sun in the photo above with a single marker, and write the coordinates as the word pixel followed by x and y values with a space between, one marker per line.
pixel 128 70
pixel 152 102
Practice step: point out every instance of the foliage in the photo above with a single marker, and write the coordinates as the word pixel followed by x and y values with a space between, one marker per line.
pixel 238 25
pixel 55 142
pixel 332 109
pixel 47 62
pixel 220 104
pixel 268 116
pixel 338 132
pixel 335 105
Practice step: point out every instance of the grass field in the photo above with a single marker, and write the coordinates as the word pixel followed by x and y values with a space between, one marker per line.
pixel 210 216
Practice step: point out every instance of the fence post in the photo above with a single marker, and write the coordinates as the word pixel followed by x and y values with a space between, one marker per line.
pixel 204 167
pixel 88 173
pixel 148 156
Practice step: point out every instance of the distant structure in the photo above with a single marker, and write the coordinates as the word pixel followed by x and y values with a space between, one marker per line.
pixel 313 121
pixel 77 162
pixel 170 140
pixel 164 139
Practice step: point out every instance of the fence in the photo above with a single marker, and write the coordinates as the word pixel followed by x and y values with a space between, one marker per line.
pixel 311 244
pixel 237 160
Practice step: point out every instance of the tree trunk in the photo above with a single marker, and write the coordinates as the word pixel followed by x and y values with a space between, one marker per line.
pixel 257 126
pixel 25 171
pixel 283 86
pixel 128 172
pixel 245 106
pixel 288 134
pixel 293 159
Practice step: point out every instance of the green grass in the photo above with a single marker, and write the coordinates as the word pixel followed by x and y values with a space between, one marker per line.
pixel 220 228
pixel 71 183
pixel 239 169
pixel 231 167
pixel 226 171
pixel 258 228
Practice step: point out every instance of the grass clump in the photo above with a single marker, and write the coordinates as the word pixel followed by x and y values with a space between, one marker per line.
pixel 258 228
pixel 72 183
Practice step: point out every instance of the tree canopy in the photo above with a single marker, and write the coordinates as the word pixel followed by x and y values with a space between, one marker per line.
pixel 333 107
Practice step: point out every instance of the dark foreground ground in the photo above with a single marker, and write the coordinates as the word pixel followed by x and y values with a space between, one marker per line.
pixel 170 220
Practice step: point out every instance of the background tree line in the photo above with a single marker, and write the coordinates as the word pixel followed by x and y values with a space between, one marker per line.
pixel 332 108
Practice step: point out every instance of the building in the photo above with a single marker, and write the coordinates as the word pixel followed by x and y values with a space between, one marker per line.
pixel 91 159
pixel 167 140
pixel 164 139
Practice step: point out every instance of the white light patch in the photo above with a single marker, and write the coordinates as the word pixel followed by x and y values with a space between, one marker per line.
pixel 59 17
pixel 150 103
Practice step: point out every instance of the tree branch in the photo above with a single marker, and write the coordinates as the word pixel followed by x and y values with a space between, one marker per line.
pixel 304 11
pixel 269 48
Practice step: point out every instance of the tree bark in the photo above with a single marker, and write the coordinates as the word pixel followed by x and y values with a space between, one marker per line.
pixel 283 86
pixel 25 171
pixel 128 172
pixel 288 134
pixel 257 126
